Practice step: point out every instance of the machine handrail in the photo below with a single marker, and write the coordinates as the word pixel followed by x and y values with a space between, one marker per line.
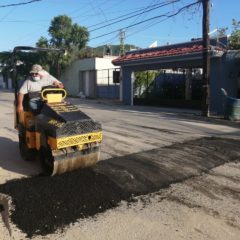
pixel 45 91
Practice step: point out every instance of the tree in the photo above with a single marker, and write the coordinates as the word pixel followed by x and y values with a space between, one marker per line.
pixel 63 34
pixel 5 61
pixel 234 39
pixel 143 80
pixel 42 42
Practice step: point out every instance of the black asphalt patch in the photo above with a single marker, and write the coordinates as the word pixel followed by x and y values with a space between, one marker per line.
pixel 149 171
pixel 43 205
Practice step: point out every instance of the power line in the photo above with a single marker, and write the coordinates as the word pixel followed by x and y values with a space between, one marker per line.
pixel 142 9
pixel 126 18
pixel 11 10
pixel 147 26
pixel 98 8
pixel 125 15
pixel 18 4
pixel 149 19
pixel 139 18
pixel 143 17
pixel 110 40
pixel 82 16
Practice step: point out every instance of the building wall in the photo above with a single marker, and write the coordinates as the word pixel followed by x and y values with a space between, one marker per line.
pixel 104 63
pixel 84 75
pixel 71 75
pixel 216 83
pixel 224 74
pixel 105 70
pixel 231 72
pixel 127 86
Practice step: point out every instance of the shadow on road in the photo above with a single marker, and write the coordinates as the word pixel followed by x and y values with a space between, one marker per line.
pixel 11 160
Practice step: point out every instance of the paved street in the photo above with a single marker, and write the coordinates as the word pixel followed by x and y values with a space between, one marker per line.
pixel 182 170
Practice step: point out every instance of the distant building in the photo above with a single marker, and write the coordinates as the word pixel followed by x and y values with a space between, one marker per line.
pixel 91 77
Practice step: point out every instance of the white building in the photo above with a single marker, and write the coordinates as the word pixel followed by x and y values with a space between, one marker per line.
pixel 91 77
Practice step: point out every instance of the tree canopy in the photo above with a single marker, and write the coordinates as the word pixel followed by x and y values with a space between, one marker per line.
pixel 234 39
pixel 142 81
pixel 63 34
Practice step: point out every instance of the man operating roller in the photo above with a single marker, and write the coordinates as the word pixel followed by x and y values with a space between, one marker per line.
pixel 33 85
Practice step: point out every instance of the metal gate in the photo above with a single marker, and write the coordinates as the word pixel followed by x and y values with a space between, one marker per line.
pixel 108 83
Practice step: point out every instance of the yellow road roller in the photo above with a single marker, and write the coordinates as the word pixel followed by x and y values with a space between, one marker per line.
pixel 61 136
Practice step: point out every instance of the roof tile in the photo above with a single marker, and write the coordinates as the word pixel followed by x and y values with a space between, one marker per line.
pixel 159 53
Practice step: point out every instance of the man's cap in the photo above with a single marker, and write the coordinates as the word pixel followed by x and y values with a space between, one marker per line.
pixel 36 68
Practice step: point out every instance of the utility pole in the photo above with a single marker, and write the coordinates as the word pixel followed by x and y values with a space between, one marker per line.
pixel 206 59
pixel 122 38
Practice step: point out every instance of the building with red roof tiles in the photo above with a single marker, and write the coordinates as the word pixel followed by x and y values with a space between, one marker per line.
pixel 224 70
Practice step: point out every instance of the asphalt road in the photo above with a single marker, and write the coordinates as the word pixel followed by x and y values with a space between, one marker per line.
pixel 179 170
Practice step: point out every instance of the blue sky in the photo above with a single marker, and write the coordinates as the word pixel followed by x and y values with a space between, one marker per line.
pixel 23 25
